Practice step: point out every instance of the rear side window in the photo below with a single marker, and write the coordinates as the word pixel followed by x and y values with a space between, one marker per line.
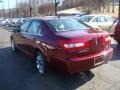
pixel 34 27
pixel 25 26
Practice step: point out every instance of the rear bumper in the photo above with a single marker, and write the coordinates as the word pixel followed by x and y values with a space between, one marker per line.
pixel 88 62
pixel 79 64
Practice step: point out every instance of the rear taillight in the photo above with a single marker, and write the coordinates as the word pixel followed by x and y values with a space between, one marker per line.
pixel 74 44
pixel 106 40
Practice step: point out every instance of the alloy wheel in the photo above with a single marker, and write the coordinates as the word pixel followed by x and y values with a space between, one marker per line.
pixel 13 45
pixel 40 63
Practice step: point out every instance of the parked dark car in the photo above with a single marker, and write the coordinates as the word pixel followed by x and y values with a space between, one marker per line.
pixel 63 43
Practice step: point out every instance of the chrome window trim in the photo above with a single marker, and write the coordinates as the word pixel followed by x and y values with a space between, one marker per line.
pixel 32 34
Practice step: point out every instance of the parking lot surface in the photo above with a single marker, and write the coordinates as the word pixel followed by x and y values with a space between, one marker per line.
pixel 17 72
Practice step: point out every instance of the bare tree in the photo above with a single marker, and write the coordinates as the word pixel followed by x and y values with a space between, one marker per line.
pixel 46 9
pixel 23 9
pixel 90 5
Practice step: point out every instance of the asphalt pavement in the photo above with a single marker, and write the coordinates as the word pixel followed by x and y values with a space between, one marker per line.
pixel 17 72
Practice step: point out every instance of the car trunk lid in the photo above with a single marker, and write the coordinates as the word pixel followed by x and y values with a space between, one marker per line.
pixel 83 42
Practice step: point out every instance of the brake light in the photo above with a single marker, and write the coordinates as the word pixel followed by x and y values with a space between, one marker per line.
pixel 74 44
pixel 107 40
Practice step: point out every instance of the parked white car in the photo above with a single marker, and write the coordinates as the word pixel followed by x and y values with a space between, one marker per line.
pixel 3 22
pixel 101 22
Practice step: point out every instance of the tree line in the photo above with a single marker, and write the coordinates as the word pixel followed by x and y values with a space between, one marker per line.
pixel 47 7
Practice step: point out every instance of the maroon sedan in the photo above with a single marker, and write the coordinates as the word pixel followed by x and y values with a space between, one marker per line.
pixel 65 44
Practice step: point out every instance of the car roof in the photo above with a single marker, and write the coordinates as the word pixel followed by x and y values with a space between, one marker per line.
pixel 96 15
pixel 48 18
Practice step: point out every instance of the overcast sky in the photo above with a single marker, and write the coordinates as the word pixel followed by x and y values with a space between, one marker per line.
pixel 12 3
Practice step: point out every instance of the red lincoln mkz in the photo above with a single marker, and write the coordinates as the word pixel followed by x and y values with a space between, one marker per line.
pixel 64 43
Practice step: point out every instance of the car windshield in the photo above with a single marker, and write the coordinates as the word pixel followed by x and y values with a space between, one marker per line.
pixel 60 25
pixel 85 18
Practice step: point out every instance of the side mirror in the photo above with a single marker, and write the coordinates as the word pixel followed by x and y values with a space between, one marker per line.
pixel 115 20
pixel 17 29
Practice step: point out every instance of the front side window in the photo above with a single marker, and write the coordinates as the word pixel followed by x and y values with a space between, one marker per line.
pixel 25 26
pixel 34 27
pixel 101 19
pixel 96 20
pixel 61 25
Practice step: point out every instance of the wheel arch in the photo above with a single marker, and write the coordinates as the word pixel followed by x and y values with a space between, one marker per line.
pixel 39 50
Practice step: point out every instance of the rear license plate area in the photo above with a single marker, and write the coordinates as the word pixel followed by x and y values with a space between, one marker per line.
pixel 99 60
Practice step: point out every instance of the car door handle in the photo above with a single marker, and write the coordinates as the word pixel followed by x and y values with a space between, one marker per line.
pixel 22 37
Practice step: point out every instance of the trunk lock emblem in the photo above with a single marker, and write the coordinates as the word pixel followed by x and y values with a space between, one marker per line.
pixel 96 41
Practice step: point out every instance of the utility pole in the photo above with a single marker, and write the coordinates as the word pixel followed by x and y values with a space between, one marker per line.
pixel 3 8
pixel 30 8
pixel 113 6
pixel 8 9
pixel 55 8
pixel 103 7
pixel 56 4
pixel 16 9
pixel 119 11
pixel 72 3
pixel 0 10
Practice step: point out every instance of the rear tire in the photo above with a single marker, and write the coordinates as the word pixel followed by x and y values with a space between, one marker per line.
pixel 41 63
pixel 89 74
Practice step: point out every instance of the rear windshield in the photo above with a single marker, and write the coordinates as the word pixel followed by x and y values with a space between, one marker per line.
pixel 85 18
pixel 60 25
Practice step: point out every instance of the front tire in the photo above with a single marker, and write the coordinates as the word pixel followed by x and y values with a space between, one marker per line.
pixel 13 46
pixel 40 63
